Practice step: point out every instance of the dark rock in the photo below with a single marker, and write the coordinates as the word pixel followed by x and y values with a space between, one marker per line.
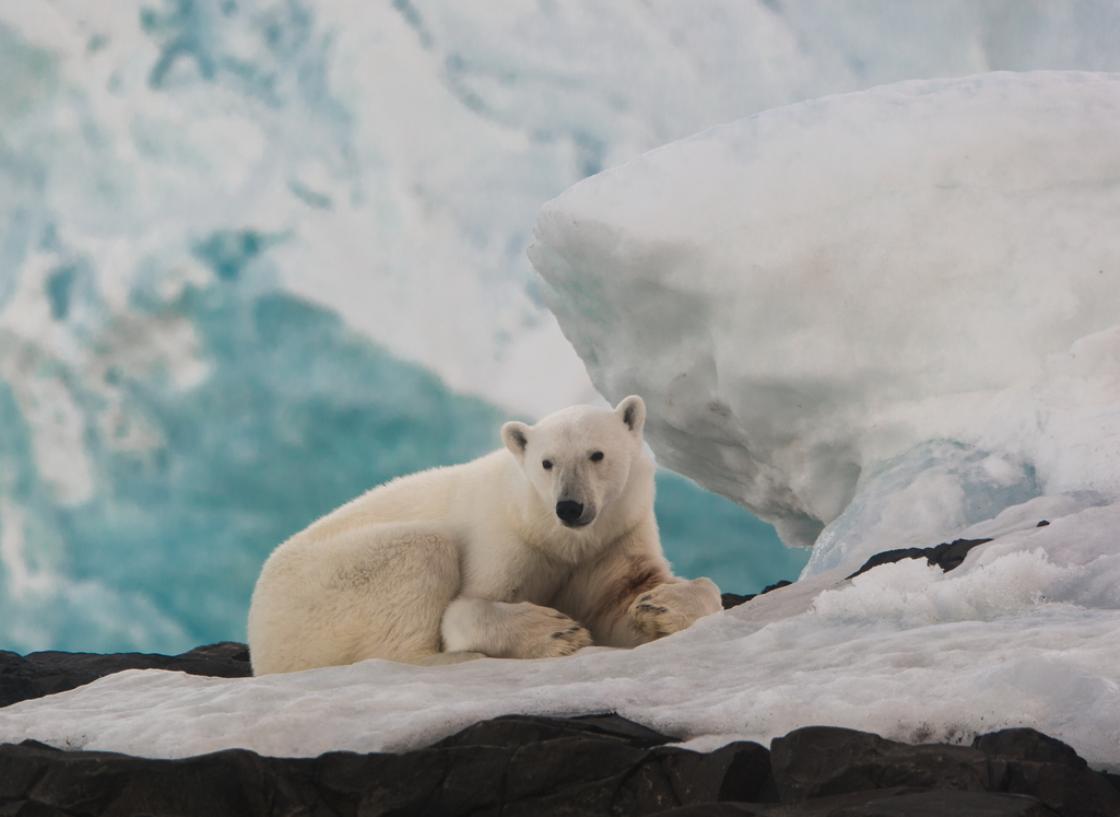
pixel 513 766
pixel 817 807
pixel 717 810
pixel 518 730
pixel 734 599
pixel 45 673
pixel 947 555
pixel 39 779
pixel 949 804
pixel 602 765
pixel 1029 744
pixel 1025 761
pixel 1042 524
pixel 736 772
pixel 820 760
pixel 881 803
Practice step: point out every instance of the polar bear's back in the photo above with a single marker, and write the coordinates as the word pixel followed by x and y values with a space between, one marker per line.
pixel 436 495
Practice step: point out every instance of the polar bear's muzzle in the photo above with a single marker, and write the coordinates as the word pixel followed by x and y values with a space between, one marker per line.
pixel 574 514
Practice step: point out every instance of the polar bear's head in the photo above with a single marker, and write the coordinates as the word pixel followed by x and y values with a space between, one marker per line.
pixel 578 460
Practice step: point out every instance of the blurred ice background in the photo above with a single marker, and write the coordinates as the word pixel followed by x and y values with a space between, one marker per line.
pixel 258 256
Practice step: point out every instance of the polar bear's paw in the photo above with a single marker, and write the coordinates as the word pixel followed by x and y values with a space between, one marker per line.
pixel 670 608
pixel 542 632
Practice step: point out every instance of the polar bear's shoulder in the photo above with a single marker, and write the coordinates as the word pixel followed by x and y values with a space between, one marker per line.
pixel 429 495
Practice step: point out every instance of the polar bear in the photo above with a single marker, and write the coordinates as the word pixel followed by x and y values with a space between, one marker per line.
pixel 536 550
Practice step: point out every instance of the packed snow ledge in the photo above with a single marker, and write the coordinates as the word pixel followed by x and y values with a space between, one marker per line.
pixel 882 319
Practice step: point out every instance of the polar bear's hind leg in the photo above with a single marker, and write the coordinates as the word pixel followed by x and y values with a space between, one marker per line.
pixel 378 591
pixel 399 591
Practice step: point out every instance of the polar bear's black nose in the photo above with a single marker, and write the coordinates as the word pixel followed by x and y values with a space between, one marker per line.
pixel 569 511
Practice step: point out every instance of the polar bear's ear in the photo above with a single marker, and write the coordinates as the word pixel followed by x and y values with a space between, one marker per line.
pixel 632 410
pixel 516 437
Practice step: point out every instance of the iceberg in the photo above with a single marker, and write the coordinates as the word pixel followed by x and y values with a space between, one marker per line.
pixel 874 319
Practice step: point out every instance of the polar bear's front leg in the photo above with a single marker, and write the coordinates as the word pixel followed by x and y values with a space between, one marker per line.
pixel 674 606
pixel 504 630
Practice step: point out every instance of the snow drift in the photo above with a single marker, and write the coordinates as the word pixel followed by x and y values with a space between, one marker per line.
pixel 892 313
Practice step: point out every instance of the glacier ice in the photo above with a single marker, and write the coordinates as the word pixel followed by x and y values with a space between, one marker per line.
pixel 152 124
pixel 875 318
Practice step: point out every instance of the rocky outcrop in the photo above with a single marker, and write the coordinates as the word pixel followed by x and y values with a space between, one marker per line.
pixel 819 761
pixel 45 673
pixel 734 599
pixel 600 765
pixel 948 555
pixel 509 766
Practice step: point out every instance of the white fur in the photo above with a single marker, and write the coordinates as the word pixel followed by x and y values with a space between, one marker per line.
pixel 470 560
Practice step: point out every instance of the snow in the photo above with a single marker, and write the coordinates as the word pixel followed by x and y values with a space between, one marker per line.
pixel 1023 633
pixel 874 319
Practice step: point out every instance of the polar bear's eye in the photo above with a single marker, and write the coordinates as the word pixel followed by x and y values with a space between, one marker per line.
pixel 547 465
pixel 598 455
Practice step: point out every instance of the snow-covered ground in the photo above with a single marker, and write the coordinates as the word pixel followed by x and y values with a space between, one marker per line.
pixel 1024 633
